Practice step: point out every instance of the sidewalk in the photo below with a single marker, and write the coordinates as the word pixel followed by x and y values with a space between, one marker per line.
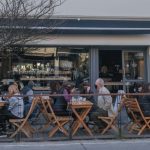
pixel 136 144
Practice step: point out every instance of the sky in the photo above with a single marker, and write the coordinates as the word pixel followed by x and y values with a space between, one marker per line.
pixel 99 8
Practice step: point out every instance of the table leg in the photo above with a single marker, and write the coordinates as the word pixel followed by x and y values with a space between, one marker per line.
pixel 80 121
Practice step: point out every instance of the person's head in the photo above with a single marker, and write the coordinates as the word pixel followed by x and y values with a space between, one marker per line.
pixel 15 83
pixel 68 85
pixel 86 84
pixel 30 84
pixel 146 88
pixel 13 89
pixel 140 87
pixel 99 83
pixel 55 85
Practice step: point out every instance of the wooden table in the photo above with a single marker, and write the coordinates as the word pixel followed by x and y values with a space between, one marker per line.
pixel 2 103
pixel 85 107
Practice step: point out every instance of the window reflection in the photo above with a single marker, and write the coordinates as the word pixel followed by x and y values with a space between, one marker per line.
pixel 134 65
pixel 46 64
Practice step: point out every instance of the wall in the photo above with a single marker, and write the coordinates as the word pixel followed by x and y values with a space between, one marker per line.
pixel 91 40
pixel 107 8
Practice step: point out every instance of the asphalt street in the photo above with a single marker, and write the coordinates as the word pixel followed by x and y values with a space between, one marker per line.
pixel 143 144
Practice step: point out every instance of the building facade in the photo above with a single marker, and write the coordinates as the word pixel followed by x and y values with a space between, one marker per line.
pixel 90 42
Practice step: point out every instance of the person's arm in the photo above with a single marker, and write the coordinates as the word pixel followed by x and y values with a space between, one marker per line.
pixel 66 95
pixel 12 103
pixel 107 100
pixel 88 91
pixel 30 95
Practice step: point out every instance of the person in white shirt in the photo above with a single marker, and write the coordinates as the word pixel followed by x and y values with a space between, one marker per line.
pixel 104 103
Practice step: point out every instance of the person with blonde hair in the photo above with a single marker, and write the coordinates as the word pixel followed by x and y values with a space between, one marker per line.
pixel 15 108
pixel 16 104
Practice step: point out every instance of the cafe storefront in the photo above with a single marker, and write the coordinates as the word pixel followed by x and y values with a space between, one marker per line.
pixel 85 50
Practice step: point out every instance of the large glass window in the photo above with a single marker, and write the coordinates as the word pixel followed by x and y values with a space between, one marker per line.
pixel 134 65
pixel 46 64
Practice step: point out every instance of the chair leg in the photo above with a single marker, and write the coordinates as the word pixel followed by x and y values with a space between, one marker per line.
pixel 29 127
pixel 130 127
pixel 142 129
pixel 25 129
pixel 44 127
pixel 108 126
pixel 17 125
pixel 62 129
pixel 56 128
pixel 114 128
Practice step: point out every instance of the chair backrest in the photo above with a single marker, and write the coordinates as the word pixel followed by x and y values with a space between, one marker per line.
pixel 32 107
pixel 131 104
pixel 48 108
pixel 134 109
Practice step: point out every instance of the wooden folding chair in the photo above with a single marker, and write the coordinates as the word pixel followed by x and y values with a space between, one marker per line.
pixel 111 121
pixel 140 122
pixel 47 116
pixel 58 122
pixel 22 124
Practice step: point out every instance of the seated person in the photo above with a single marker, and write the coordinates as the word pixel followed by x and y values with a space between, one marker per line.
pixel 87 90
pixel 15 107
pixel 104 71
pixel 28 97
pixel 104 103
pixel 144 101
pixel 61 102
pixel 137 88
pixel 28 92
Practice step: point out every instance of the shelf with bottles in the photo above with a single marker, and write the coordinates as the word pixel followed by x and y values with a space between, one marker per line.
pixel 57 78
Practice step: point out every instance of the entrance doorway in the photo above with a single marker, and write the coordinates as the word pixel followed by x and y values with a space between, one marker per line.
pixel 122 69
pixel 110 65
pixel 110 69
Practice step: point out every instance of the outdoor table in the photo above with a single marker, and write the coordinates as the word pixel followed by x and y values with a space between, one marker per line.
pixel 2 104
pixel 85 107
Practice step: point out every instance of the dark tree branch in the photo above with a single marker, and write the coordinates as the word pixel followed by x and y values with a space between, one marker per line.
pixel 19 20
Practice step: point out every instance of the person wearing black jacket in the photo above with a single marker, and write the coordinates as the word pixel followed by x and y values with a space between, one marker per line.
pixel 87 90
pixel 60 102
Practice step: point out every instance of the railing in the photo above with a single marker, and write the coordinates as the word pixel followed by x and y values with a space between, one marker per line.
pixel 44 123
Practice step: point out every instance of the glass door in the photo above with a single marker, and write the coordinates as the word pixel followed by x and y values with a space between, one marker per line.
pixel 133 67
